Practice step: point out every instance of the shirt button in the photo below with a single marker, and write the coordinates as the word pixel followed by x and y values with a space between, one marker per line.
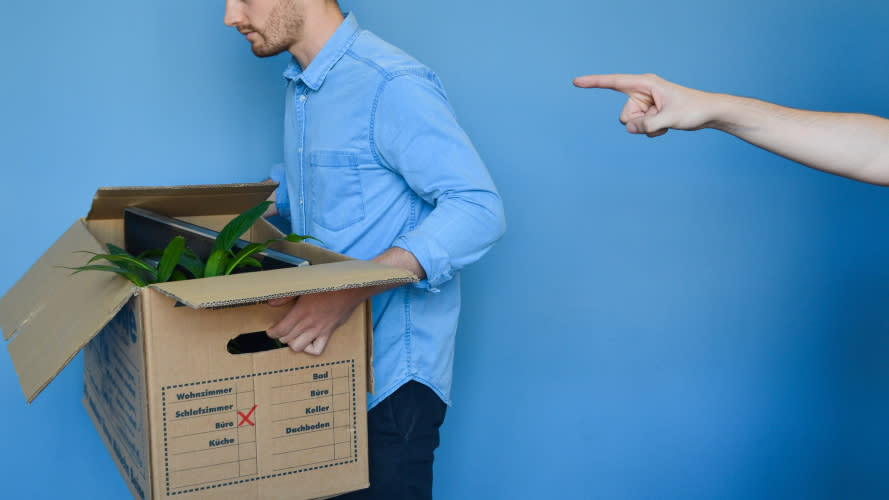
pixel 300 201
pixel 302 98
pixel 300 150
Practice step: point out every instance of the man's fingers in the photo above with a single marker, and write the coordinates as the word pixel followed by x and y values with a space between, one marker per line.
pixel 317 346
pixel 621 83
pixel 312 319
pixel 632 110
pixel 642 112
pixel 639 122
pixel 309 342
pixel 283 301
pixel 600 82
pixel 658 122
pixel 300 340
pixel 588 82
pixel 651 124
pixel 283 328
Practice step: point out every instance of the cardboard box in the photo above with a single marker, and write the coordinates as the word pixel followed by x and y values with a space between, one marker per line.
pixel 180 415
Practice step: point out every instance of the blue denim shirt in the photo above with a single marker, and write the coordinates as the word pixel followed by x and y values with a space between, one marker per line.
pixel 374 158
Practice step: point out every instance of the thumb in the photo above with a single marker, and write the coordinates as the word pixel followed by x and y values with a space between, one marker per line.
pixel 653 123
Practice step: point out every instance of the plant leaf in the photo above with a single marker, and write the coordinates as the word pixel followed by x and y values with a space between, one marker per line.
pixel 178 276
pixel 238 226
pixel 245 253
pixel 134 269
pixel 192 263
pixel 250 261
pixel 216 263
pixel 116 250
pixel 138 280
pixel 154 252
pixel 296 238
pixel 126 261
pixel 170 259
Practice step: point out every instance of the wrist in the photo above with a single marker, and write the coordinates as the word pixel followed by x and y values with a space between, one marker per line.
pixel 727 112
pixel 399 257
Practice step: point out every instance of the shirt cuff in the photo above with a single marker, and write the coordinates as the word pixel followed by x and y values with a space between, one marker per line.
pixel 433 258
pixel 282 199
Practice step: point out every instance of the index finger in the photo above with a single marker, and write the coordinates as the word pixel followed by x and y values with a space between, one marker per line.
pixel 619 82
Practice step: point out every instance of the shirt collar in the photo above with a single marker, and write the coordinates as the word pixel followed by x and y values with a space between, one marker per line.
pixel 330 54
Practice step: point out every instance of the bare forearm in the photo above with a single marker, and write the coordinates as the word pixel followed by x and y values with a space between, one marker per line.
pixel 850 145
pixel 395 257
pixel 399 257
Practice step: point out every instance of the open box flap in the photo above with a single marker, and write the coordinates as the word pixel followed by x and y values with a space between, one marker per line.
pixel 51 314
pixel 251 288
pixel 179 201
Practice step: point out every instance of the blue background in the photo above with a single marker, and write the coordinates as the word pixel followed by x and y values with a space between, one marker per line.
pixel 683 317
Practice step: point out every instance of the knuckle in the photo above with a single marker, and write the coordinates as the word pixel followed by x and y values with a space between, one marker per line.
pixel 298 344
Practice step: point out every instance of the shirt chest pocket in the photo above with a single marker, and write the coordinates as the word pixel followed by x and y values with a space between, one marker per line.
pixel 337 195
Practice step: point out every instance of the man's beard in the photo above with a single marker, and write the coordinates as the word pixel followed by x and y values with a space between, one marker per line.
pixel 284 28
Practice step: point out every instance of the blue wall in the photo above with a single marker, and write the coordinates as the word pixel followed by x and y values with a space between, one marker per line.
pixel 684 317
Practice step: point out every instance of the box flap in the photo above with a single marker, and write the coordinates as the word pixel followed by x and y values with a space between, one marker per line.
pixel 53 314
pixel 179 201
pixel 250 288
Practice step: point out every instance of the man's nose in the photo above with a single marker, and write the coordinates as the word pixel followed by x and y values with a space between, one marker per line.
pixel 233 15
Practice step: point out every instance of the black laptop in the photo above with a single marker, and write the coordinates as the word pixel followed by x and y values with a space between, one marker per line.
pixel 146 230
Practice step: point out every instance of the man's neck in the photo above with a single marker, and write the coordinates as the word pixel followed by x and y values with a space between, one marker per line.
pixel 319 25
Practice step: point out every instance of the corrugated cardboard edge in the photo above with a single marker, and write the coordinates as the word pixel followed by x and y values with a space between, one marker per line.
pixel 252 288
pixel 110 446
pixel 175 201
pixel 370 348
pixel 108 418
pixel 146 319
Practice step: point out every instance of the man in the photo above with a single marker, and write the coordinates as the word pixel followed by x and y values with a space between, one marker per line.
pixel 850 145
pixel 376 166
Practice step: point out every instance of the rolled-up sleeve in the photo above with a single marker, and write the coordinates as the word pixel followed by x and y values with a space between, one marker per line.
pixel 282 199
pixel 416 134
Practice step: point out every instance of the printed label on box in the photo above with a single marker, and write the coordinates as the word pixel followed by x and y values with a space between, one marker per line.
pixel 211 427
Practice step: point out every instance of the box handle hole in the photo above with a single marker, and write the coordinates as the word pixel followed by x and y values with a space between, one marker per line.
pixel 248 343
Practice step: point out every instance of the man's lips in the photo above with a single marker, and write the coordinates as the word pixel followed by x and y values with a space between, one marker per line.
pixel 248 33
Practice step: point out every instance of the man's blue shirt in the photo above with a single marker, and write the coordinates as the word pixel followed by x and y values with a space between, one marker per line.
pixel 374 158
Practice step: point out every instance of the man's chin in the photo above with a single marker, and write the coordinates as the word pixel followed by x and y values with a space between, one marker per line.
pixel 261 51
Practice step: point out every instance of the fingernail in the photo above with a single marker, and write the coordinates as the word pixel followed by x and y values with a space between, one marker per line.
pixel 631 127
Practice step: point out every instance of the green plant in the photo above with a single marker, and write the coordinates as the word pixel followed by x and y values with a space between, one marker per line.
pixel 171 263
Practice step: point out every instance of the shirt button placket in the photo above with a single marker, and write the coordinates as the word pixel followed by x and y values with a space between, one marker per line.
pixel 301 112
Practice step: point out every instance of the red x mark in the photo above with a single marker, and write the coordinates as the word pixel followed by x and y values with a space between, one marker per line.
pixel 246 418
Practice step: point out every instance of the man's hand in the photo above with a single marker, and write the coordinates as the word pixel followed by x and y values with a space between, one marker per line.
pixel 313 318
pixel 654 105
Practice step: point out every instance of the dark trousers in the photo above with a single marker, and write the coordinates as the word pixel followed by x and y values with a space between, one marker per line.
pixel 402 438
